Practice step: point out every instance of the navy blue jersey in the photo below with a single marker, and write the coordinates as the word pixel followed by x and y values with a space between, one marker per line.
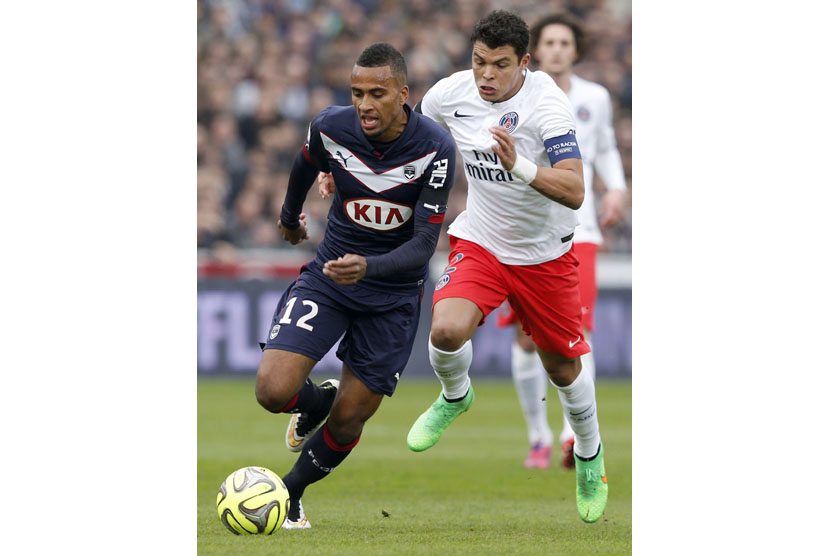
pixel 382 200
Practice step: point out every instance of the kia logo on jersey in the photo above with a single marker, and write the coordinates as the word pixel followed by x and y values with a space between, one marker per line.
pixel 377 214
pixel 509 121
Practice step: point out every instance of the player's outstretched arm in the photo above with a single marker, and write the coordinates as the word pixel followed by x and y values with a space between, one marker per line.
pixel 292 223
pixel 611 208
pixel 608 166
pixel 562 183
pixel 296 235
pixel 415 252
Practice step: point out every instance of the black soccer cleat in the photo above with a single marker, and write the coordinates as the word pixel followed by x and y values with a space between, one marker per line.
pixel 303 425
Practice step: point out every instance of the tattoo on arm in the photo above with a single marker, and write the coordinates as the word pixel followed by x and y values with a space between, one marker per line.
pixel 560 200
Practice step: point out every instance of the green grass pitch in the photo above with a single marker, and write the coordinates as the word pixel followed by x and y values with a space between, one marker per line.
pixel 469 494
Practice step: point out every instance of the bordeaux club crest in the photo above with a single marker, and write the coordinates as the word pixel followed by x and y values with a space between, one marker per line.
pixel 509 121
pixel 409 171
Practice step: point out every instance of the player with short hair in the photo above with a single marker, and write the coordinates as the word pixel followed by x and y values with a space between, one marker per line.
pixel 393 170
pixel 556 42
pixel 515 131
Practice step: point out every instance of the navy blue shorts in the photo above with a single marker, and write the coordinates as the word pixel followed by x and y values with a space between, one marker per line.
pixel 379 328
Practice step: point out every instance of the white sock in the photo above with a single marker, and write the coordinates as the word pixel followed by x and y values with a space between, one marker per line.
pixel 580 405
pixel 589 367
pixel 451 368
pixel 588 358
pixel 531 383
pixel 567 432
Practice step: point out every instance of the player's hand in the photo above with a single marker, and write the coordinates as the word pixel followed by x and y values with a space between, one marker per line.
pixel 294 236
pixel 611 208
pixel 346 270
pixel 504 148
pixel 325 185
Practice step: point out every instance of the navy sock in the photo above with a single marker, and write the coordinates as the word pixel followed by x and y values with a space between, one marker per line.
pixel 320 455
pixel 309 399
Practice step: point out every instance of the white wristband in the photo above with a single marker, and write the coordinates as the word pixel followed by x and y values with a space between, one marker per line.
pixel 524 169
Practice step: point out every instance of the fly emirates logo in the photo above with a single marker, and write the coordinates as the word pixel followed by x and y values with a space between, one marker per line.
pixel 487 168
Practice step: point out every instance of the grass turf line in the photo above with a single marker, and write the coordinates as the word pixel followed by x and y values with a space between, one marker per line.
pixel 469 494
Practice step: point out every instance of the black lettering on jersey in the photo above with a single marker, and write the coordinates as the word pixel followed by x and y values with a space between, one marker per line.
pixel 487 173
pixel 487 157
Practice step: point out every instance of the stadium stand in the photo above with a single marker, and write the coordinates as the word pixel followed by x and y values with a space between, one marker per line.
pixel 266 67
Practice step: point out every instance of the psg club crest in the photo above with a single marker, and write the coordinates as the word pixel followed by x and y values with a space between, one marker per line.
pixel 443 281
pixel 409 171
pixel 509 121
pixel 583 114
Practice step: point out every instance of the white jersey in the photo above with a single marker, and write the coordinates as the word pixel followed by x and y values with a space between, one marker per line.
pixel 509 218
pixel 595 133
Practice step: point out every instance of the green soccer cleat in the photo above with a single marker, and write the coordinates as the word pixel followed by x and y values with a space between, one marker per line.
pixel 427 430
pixel 591 487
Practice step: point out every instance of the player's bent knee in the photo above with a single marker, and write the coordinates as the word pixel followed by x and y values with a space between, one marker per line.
pixel 448 335
pixel 269 397
pixel 563 372
pixel 271 392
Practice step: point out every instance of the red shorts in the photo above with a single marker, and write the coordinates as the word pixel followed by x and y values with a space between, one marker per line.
pixel 545 296
pixel 587 255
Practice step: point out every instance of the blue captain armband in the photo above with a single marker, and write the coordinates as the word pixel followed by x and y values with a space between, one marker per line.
pixel 562 147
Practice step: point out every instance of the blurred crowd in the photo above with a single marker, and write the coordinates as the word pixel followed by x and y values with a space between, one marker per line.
pixel 267 67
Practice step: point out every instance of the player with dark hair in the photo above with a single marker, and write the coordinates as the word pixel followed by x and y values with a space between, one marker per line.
pixel 393 170
pixel 556 42
pixel 561 18
pixel 502 28
pixel 515 131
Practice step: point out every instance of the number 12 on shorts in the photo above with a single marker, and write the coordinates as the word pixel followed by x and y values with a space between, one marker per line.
pixel 302 322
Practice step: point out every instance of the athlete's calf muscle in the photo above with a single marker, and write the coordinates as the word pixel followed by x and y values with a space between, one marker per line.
pixel 561 370
pixel 354 405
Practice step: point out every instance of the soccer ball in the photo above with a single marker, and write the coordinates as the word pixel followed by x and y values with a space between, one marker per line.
pixel 252 500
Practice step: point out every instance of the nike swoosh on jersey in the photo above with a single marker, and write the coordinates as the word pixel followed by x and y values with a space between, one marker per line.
pixel 457 115
pixel 377 181
pixel 572 344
